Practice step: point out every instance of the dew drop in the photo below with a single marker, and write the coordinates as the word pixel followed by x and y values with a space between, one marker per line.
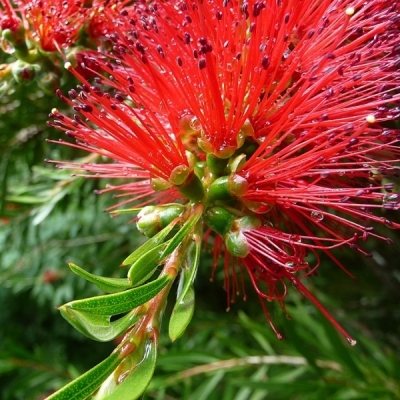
pixel 317 216
pixel 195 124
pixel 287 204
pixel 295 238
pixel 391 198
pixel 289 264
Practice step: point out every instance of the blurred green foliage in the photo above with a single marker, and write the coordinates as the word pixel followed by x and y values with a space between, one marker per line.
pixel 49 217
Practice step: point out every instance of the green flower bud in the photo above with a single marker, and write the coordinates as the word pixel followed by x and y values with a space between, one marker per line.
pixel 192 188
pixel 236 163
pixel 200 169
pixel 159 184
pixel 217 165
pixel 248 223
pixel 237 245
pixel 49 82
pixel 152 219
pixel 14 35
pixel 219 219
pixel 179 174
pixel 228 187
pixel 23 72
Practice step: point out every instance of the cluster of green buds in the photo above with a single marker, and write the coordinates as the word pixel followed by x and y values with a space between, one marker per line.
pixel 27 63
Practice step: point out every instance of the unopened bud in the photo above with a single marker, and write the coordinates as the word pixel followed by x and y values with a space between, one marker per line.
pixel 236 163
pixel 152 219
pixel 237 245
pixel 159 184
pixel 248 223
pixel 228 187
pixel 49 82
pixel 215 164
pixel 219 219
pixel 179 174
pixel 14 33
pixel 24 72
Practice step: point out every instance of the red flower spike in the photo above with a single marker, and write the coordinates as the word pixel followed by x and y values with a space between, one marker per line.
pixel 55 23
pixel 8 17
pixel 294 100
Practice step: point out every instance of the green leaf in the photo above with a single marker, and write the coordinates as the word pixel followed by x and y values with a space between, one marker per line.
pixel 98 327
pixel 117 303
pixel 182 233
pixel 145 266
pixel 139 378
pixel 108 285
pixel 87 383
pixel 182 315
pixel 150 244
pixel 184 307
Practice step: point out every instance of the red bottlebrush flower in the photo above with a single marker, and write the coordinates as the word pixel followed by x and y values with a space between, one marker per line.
pixel 276 116
pixel 8 17
pixel 99 23
pixel 55 23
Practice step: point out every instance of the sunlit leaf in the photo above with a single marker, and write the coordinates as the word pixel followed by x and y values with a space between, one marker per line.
pixel 133 386
pixel 150 244
pixel 184 307
pixel 145 266
pixel 98 327
pixel 186 228
pixel 117 303
pixel 87 383
pixel 182 315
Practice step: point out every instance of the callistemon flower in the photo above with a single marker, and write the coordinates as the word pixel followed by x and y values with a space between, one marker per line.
pixel 8 16
pixel 274 117
pixel 53 24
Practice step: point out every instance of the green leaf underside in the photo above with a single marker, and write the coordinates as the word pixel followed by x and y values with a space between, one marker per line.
pixel 184 307
pixel 190 265
pixel 182 233
pixel 117 303
pixel 150 244
pixel 98 327
pixel 108 285
pixel 145 266
pixel 137 381
pixel 87 383
pixel 182 315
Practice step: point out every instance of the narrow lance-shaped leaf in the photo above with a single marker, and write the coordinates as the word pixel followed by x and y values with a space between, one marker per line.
pixel 184 307
pixel 87 383
pixel 183 232
pixel 182 314
pixel 98 327
pixel 150 244
pixel 145 266
pixel 117 303
pixel 108 285
pixel 133 386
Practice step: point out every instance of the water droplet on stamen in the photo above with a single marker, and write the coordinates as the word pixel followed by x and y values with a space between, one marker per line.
pixel 295 238
pixel 317 216
pixel 289 264
pixel 391 198
pixel 195 124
